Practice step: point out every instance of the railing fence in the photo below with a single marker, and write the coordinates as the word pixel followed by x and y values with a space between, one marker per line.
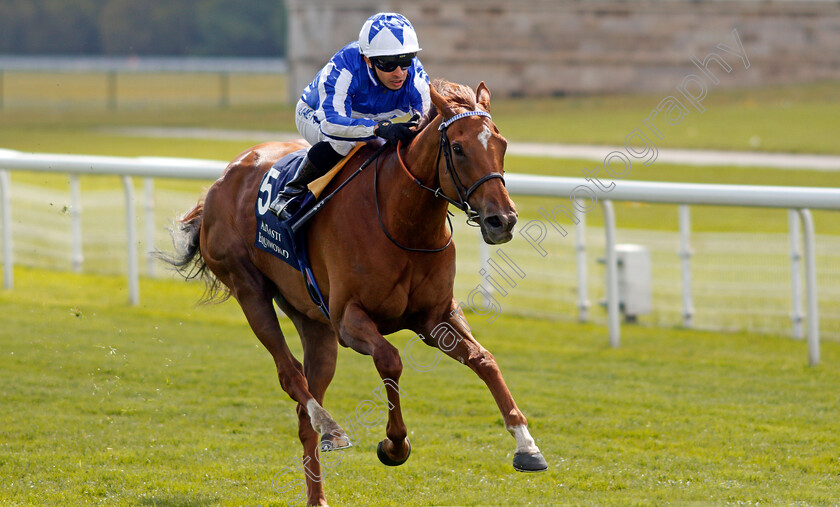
pixel 799 200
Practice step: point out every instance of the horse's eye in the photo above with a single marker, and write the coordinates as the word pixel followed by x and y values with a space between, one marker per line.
pixel 457 149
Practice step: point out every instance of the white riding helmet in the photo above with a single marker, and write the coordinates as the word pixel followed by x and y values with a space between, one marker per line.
pixel 387 34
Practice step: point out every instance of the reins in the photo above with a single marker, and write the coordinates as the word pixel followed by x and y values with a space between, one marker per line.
pixel 382 224
pixel 311 213
pixel 464 193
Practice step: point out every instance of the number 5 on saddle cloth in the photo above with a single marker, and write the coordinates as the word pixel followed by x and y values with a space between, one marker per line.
pixel 286 239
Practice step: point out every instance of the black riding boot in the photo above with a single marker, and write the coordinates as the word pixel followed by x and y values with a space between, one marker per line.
pixel 309 172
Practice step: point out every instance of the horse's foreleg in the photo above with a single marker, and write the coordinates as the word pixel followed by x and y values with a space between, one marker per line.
pixel 360 333
pixel 453 337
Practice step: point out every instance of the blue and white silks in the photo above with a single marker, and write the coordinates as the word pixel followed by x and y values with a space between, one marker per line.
pixel 348 100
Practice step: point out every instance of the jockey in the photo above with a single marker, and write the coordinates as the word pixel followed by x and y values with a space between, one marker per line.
pixel 356 95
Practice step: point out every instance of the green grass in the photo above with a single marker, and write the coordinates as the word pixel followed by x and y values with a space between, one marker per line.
pixel 173 404
pixel 800 118
pixel 793 118
pixel 99 91
pixel 595 119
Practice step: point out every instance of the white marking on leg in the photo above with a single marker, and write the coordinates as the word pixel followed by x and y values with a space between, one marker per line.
pixel 317 415
pixel 524 442
pixel 323 423
pixel 484 136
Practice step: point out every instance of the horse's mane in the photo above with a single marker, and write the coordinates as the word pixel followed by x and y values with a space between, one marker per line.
pixel 458 95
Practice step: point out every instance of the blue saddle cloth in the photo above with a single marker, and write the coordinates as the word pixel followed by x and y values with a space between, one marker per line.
pixel 277 237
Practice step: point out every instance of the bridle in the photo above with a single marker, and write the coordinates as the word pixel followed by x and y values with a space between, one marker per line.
pixel 464 192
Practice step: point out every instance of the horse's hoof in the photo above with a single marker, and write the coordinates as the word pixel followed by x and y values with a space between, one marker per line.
pixel 332 443
pixel 529 462
pixel 383 457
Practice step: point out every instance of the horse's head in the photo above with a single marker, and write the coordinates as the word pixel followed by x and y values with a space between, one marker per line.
pixel 470 159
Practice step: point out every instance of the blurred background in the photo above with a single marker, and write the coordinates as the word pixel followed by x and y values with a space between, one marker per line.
pixel 122 27
pixel 208 78
pixel 171 403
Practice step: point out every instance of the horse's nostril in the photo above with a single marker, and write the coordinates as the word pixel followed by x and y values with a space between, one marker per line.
pixel 493 222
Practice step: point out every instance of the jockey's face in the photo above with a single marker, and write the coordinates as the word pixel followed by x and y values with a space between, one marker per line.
pixel 393 80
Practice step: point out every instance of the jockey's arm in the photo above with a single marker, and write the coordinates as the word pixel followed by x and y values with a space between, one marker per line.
pixel 421 101
pixel 336 107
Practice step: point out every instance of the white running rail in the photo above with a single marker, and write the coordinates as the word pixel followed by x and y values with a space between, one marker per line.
pixel 797 199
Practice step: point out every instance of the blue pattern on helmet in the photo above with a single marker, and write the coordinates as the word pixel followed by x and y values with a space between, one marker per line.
pixel 394 24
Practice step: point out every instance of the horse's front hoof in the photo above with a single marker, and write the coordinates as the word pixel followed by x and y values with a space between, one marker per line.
pixel 333 443
pixel 529 462
pixel 386 460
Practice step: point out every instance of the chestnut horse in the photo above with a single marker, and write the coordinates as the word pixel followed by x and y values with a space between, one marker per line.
pixel 381 252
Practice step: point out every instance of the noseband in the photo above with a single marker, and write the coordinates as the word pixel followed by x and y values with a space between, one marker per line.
pixel 464 193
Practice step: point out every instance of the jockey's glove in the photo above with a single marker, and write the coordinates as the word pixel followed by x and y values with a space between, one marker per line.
pixel 393 132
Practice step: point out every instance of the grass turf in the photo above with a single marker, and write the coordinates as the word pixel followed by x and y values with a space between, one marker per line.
pixel 173 404
pixel 798 118
pixel 792 118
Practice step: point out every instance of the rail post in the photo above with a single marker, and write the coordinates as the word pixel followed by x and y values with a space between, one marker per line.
pixel 685 264
pixel 613 317
pixel 6 205
pixel 811 287
pixel 131 242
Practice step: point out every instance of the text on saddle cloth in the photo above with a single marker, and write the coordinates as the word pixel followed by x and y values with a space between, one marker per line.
pixel 277 237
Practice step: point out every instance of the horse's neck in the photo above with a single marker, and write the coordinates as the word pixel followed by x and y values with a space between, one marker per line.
pixel 413 215
pixel 421 156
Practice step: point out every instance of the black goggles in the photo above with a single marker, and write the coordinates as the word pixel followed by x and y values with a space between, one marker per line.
pixel 390 63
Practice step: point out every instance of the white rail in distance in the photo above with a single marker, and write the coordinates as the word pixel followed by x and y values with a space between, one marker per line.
pixel 581 195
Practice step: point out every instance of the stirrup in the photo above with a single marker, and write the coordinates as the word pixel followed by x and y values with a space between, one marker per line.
pixel 295 188
pixel 280 206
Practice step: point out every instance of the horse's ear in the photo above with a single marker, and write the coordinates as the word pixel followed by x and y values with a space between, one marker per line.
pixel 440 103
pixel 482 96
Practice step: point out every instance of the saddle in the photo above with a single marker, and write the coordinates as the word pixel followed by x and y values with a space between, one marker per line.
pixel 286 240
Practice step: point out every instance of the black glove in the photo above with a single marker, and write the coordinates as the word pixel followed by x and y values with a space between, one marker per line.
pixel 393 132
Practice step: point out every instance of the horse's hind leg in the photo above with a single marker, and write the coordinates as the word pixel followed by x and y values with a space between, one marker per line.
pixel 320 349
pixel 263 320
pixel 253 291
pixel 451 335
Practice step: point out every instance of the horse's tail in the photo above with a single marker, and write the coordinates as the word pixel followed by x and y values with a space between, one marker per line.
pixel 187 259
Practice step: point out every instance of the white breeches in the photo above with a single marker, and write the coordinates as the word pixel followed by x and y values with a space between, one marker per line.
pixel 311 131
